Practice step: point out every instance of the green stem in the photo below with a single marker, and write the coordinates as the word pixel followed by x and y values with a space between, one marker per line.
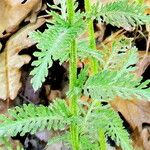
pixel 70 11
pixel 94 64
pixel 73 74
pixel 102 139
pixel 72 79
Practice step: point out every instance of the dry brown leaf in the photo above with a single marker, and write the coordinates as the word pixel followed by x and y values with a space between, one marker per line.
pixel 11 62
pixel 136 113
pixel 142 64
pixel 137 140
pixel 141 140
pixel 13 12
pixel 145 135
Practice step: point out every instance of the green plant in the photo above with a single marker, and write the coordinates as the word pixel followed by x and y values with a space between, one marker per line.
pixel 83 129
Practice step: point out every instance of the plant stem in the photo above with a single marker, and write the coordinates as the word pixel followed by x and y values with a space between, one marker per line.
pixel 73 78
pixel 102 139
pixel 94 65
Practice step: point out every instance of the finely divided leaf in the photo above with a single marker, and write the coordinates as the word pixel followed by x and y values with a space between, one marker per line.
pixel 109 84
pixel 84 51
pixel 108 121
pixel 123 13
pixel 113 127
pixel 53 44
pixel 30 118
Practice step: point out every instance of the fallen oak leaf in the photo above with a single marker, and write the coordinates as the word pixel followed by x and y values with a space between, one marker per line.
pixel 11 62
pixel 141 139
pixel 137 141
pixel 134 111
pixel 13 12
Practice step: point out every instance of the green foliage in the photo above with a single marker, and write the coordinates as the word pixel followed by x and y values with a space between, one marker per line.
pixel 103 117
pixel 109 84
pixel 32 118
pixel 87 143
pixel 84 51
pixel 60 42
pixel 65 137
pixel 57 116
pixel 90 121
pixel 53 44
pixel 111 123
pixel 122 13
pixel 117 71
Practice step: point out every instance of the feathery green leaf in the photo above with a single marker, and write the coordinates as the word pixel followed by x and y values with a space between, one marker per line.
pixel 53 44
pixel 109 84
pixel 110 122
pixel 123 13
pixel 84 51
pixel 105 118
pixel 30 118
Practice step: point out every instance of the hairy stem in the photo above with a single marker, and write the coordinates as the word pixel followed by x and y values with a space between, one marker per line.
pixel 94 64
pixel 73 78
